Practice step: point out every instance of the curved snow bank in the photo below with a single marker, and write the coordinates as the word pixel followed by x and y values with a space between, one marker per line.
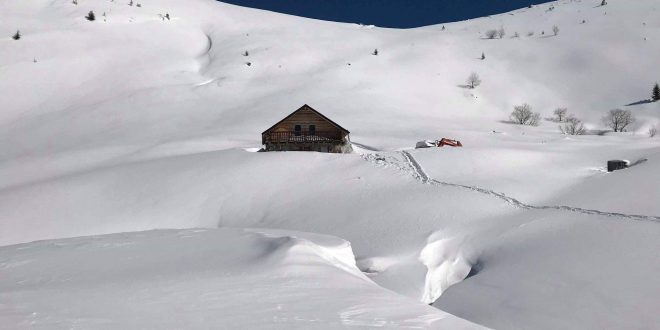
pixel 199 279
pixel 446 266
pixel 294 248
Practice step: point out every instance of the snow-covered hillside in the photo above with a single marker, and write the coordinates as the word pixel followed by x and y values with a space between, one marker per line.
pixel 226 278
pixel 135 122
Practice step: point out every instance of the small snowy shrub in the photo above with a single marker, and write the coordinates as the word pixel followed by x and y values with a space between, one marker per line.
pixel 523 115
pixel 653 131
pixel 90 16
pixel 618 119
pixel 530 33
pixel 491 34
pixel 473 80
pixel 375 53
pixel 573 126
pixel 501 33
pixel 483 56
pixel 555 30
pixel 560 113
pixel 17 35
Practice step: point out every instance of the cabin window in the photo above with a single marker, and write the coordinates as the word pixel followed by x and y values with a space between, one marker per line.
pixel 297 130
pixel 312 129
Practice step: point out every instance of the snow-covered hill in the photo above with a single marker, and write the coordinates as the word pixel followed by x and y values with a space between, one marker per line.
pixel 196 278
pixel 134 122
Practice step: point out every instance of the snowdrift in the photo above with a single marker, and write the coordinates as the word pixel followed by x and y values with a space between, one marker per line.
pixel 199 278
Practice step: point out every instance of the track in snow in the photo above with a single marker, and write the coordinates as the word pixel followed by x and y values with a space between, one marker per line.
pixel 412 166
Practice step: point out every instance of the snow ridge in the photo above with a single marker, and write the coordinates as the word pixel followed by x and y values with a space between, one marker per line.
pixel 411 165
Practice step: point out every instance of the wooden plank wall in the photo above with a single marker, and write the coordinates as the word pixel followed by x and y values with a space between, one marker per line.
pixel 304 118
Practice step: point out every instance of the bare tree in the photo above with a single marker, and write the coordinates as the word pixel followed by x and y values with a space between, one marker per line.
pixel 491 34
pixel 618 119
pixel 473 80
pixel 516 35
pixel 573 126
pixel 523 115
pixel 555 30
pixel 501 33
pixel 560 113
pixel 653 131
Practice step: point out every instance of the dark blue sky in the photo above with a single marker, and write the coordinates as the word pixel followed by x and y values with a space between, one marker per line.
pixel 389 13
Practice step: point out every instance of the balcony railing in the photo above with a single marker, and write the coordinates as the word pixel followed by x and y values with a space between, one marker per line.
pixel 302 137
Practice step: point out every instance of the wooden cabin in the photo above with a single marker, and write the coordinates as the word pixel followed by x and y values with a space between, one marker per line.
pixel 306 130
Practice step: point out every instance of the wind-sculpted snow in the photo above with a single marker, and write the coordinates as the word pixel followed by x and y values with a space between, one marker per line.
pixel 199 279
pixel 446 267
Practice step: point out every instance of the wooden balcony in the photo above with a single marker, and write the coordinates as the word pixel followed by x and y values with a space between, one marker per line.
pixel 302 137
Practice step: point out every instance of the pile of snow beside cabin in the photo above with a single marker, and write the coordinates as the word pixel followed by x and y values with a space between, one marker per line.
pixel 135 122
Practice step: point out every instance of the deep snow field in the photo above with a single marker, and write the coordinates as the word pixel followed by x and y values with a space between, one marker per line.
pixel 131 195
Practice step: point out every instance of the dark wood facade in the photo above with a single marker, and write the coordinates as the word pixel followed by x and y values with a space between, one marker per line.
pixel 306 130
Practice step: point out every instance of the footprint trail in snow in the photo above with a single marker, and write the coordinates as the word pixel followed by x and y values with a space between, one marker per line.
pixel 412 166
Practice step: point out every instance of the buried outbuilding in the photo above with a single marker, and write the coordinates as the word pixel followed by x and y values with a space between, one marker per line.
pixel 306 130
pixel 614 165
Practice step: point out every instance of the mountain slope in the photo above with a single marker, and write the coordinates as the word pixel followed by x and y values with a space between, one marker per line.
pixel 136 121
pixel 96 85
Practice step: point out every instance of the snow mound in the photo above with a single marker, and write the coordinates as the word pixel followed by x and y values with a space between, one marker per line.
pixel 446 267
pixel 199 278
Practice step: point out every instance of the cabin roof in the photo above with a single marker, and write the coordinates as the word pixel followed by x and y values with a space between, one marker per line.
pixel 312 109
